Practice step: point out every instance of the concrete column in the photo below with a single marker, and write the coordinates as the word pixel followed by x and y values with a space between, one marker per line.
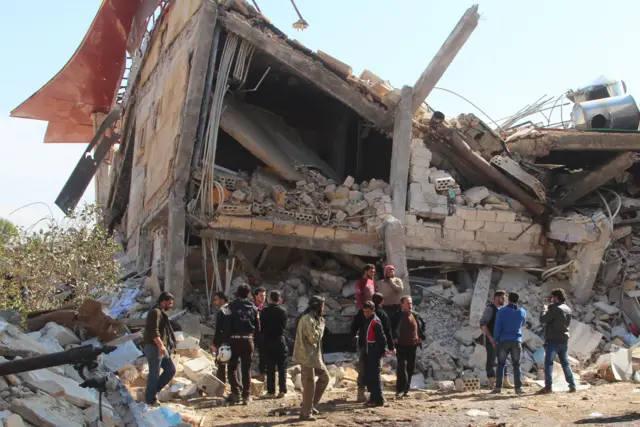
pixel 480 295
pixel 101 177
pixel 176 247
pixel 401 153
pixel 395 250
pixel 587 264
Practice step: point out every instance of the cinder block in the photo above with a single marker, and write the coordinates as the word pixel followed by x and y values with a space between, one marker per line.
pixel 473 225
pixel 473 245
pixel 364 238
pixel 324 233
pixel 411 230
pixel 261 225
pixel 410 220
pixel 414 241
pixel 427 232
pixel 514 227
pixel 458 236
pixel 282 227
pixel 493 227
pixel 240 223
pixel 482 215
pixel 505 216
pixel 453 223
pixel 466 213
pixel 304 230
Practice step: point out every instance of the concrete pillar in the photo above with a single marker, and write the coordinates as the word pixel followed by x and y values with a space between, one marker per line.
pixel 395 250
pixel 401 153
pixel 587 264
pixel 176 247
pixel 480 295
pixel 101 177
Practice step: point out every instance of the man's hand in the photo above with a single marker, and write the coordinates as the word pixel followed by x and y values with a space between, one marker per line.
pixel 393 351
pixel 162 350
pixel 493 342
pixel 546 307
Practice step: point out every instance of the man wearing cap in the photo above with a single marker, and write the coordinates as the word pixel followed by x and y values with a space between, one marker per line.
pixel 159 341
pixel 307 351
pixel 391 289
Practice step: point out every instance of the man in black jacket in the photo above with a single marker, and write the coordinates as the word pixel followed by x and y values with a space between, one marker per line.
pixel 356 326
pixel 241 327
pixel 556 318
pixel 221 300
pixel 273 322
pixel 408 330
pixel 375 349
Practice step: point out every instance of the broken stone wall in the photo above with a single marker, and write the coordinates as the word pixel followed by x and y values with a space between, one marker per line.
pixel 160 96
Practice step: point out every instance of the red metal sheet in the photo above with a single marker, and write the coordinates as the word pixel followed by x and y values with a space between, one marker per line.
pixel 89 81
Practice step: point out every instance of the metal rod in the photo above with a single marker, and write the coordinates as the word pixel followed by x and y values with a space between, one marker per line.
pixel 84 354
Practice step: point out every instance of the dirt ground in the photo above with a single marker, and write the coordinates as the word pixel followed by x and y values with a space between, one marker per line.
pixel 605 405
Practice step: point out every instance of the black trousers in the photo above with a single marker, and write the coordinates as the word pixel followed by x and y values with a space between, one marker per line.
pixel 373 374
pixel 492 359
pixel 276 356
pixel 222 372
pixel 406 356
pixel 241 353
pixel 262 356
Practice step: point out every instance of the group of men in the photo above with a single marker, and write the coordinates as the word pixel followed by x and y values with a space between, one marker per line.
pixel 385 324
pixel 502 327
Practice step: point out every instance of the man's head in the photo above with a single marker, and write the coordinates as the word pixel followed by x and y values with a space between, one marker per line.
pixel 243 291
pixel 406 303
pixel 498 298
pixel 377 299
pixel 389 272
pixel 369 271
pixel 513 297
pixel 316 305
pixel 274 297
pixel 259 295
pixel 558 296
pixel 220 299
pixel 165 301
pixel 368 309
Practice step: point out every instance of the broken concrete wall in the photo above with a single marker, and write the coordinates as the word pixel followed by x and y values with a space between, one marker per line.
pixel 160 97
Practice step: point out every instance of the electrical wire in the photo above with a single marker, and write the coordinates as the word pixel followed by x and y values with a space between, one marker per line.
pixel 474 105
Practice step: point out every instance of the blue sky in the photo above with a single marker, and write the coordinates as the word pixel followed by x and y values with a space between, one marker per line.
pixel 519 52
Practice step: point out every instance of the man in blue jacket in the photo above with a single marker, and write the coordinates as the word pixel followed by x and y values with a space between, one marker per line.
pixel 508 337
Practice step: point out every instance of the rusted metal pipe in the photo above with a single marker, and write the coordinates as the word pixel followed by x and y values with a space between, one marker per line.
pixel 438 130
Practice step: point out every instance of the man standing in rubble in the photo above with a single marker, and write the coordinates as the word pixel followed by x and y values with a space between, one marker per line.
pixel 556 318
pixel 356 329
pixel 365 286
pixel 243 324
pixel 159 341
pixel 508 338
pixel 259 299
pixel 488 323
pixel 273 322
pixel 307 351
pixel 409 332
pixel 375 349
pixel 221 300
pixel 391 289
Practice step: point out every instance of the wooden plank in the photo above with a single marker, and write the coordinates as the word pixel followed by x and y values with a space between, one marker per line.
pixel 310 70
pixel 597 178
pixel 401 153
pixel 300 242
pixel 439 64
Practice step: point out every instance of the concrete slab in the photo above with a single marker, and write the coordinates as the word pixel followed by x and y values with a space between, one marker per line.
pixel 14 343
pixel 43 410
pixel 59 386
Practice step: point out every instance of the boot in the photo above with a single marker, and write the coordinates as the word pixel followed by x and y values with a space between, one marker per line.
pixel 506 383
pixel 492 382
pixel 361 396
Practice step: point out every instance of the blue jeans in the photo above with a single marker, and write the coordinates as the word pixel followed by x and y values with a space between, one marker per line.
pixel 155 381
pixel 504 349
pixel 550 351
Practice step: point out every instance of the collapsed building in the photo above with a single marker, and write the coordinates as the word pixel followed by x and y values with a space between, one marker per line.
pixel 225 152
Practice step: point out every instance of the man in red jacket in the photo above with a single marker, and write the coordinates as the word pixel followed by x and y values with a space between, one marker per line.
pixel 365 286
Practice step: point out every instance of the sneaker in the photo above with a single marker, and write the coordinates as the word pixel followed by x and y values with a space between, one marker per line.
pixel 314 411
pixel 545 391
pixel 233 398
pixel 405 394
pixel 400 394
pixel 573 390
pixel 492 382
pixel 281 394
pixel 496 391
pixel 519 391
pixel 308 418
pixel 246 401
pixel 270 396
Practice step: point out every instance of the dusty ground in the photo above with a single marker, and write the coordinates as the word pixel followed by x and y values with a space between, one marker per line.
pixel 618 405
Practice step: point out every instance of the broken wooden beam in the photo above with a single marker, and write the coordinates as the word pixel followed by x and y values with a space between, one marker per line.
pixel 311 70
pixel 444 57
pixel 598 177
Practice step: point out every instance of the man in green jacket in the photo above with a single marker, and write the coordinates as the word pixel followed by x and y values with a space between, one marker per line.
pixel 159 341
pixel 307 351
